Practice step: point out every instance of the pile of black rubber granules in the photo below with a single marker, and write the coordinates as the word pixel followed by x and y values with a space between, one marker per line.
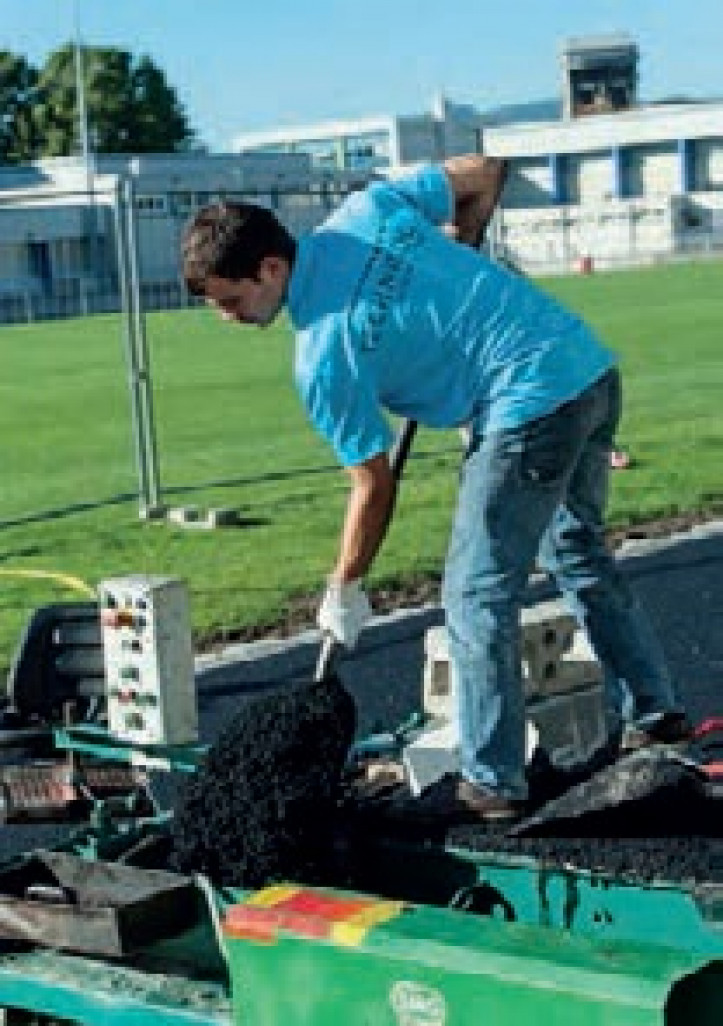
pixel 649 793
pixel 648 817
pixel 263 806
pixel 637 859
pixel 621 854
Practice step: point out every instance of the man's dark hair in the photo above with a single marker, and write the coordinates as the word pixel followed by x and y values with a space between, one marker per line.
pixel 229 240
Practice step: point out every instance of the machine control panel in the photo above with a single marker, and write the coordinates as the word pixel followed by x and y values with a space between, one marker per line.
pixel 148 655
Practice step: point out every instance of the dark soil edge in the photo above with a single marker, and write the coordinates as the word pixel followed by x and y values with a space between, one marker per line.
pixel 299 614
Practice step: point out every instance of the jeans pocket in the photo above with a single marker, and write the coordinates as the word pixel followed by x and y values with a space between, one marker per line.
pixel 549 447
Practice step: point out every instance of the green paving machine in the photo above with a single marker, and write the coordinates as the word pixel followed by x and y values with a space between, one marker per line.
pixel 414 930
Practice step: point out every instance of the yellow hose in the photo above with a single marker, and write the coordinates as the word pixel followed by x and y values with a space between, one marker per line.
pixel 74 583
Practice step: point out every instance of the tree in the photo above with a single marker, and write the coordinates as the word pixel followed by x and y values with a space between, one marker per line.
pixel 18 86
pixel 160 123
pixel 130 106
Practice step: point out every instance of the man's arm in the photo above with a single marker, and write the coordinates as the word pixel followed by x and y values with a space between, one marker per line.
pixel 477 182
pixel 368 512
pixel 345 608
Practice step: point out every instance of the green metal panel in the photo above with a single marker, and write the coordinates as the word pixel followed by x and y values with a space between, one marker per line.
pixel 527 891
pixel 91 991
pixel 435 967
pixel 367 962
pixel 89 739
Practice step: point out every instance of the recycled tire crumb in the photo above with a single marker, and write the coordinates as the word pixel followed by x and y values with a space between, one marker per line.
pixel 692 860
pixel 666 828
pixel 263 805
pixel 656 822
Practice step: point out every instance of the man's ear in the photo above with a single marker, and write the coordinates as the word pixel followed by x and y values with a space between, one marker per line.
pixel 273 268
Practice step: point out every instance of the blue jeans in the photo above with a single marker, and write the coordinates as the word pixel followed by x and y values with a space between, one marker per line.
pixel 539 491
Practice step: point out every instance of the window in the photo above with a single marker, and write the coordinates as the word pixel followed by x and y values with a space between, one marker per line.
pixel 151 206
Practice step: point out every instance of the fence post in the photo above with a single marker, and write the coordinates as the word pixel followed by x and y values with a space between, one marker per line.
pixel 139 379
pixel 84 305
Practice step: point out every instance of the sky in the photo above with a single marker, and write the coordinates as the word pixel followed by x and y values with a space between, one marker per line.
pixel 243 65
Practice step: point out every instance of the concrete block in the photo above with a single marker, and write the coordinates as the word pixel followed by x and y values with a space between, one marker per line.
pixel 432 753
pixel 437 682
pixel 546 613
pixel 539 672
pixel 564 701
pixel 581 649
pixel 184 516
pixel 222 517
pixel 566 675
pixel 571 724
pixel 568 661
pixel 157 512
pixel 192 516
pixel 547 631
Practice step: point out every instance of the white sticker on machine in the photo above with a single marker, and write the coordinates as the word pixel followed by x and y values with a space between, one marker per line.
pixel 415 1004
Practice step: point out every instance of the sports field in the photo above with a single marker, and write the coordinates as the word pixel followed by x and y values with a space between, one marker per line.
pixel 231 433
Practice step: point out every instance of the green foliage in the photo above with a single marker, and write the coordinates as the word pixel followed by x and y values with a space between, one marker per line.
pixel 155 101
pixel 131 108
pixel 232 433
pixel 18 95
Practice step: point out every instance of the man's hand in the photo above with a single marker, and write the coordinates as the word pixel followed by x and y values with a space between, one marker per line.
pixel 344 611
pixel 471 217
pixel 477 182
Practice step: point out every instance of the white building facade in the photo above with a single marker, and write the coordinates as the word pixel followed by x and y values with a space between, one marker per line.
pixel 369 144
pixel 607 189
pixel 611 182
pixel 68 233
pixel 611 189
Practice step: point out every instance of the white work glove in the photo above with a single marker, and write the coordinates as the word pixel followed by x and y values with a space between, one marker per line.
pixel 344 611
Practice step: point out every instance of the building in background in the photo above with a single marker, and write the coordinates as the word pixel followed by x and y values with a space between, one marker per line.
pixel 617 188
pixel 599 74
pixel 597 179
pixel 613 181
pixel 371 143
pixel 68 233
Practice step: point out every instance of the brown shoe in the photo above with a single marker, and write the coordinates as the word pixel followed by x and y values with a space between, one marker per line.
pixel 452 799
pixel 672 729
pixel 487 805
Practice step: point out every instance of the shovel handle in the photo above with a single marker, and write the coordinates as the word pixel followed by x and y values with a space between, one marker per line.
pixel 328 654
pixel 400 449
pixel 330 647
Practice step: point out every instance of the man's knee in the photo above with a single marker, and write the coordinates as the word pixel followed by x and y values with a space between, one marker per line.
pixel 478 623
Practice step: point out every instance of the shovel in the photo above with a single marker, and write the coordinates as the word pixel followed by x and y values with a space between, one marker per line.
pixel 262 806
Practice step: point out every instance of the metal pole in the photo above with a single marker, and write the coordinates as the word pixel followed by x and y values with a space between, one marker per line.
pixel 85 148
pixel 145 387
pixel 82 111
pixel 130 347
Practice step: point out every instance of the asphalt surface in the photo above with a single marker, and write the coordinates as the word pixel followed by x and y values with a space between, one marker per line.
pixel 680 581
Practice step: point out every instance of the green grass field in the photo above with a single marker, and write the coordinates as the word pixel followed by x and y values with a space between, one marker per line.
pixel 227 412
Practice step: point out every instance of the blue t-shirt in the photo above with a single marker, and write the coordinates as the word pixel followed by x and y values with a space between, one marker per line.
pixel 392 315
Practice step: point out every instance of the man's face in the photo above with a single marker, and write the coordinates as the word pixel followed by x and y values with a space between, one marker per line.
pixel 251 300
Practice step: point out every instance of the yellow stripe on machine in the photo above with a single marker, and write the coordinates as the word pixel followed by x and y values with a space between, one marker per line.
pixel 272 895
pixel 353 930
